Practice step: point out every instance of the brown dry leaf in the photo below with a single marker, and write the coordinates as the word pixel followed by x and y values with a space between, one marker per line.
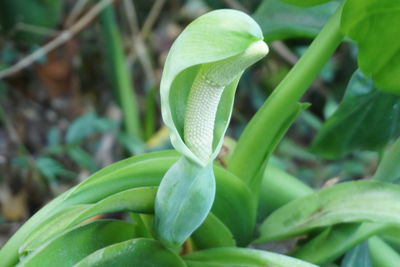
pixel 62 83
pixel 13 207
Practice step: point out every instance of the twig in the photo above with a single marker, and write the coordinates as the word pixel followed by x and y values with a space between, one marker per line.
pixel 236 5
pixel 138 44
pixel 152 18
pixel 284 52
pixel 35 29
pixel 65 36
pixel 76 10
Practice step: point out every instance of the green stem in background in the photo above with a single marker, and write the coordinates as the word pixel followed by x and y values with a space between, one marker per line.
pixel 120 73
pixel 270 123
pixel 150 113
pixel 277 189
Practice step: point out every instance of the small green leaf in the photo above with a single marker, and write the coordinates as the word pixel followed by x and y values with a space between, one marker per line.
pixel 373 25
pixel 72 246
pixel 82 158
pixel 51 168
pixel 133 253
pixel 212 234
pixel 280 20
pixel 183 201
pixel 358 256
pixel 45 14
pixel 389 167
pixel 362 201
pixel 234 206
pixel 366 119
pixel 87 125
pixel 238 257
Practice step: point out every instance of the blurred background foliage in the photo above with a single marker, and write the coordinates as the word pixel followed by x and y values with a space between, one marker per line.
pixel 79 90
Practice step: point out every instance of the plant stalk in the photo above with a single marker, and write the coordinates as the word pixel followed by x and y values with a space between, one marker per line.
pixel 120 73
pixel 273 119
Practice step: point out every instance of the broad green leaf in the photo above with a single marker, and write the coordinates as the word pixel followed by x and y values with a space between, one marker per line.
pixel 213 233
pixel 184 198
pixel 358 256
pixel 373 25
pixel 135 252
pixel 279 20
pixel 72 246
pixel 139 200
pixel 334 241
pixel 231 257
pixel 382 254
pixel 389 167
pixel 361 201
pixel 304 3
pixel 200 78
pixel 366 119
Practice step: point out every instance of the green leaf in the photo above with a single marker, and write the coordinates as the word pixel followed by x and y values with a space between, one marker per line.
pixel 183 200
pixel 231 257
pixel 392 237
pixel 86 125
pixel 135 252
pixel 279 20
pixel 389 167
pixel 362 201
pixel 82 158
pixel 358 256
pixel 304 3
pixel 382 254
pixel 212 234
pixel 203 66
pixel 72 246
pixel 51 168
pixel 366 119
pixel 234 206
pixel 34 13
pixel 136 200
pixel 334 241
pixel 373 25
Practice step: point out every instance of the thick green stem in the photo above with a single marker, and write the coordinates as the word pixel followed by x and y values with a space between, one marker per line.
pixel 120 73
pixel 277 189
pixel 270 123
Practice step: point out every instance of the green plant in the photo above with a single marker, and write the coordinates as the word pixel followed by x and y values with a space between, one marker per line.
pixel 202 210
